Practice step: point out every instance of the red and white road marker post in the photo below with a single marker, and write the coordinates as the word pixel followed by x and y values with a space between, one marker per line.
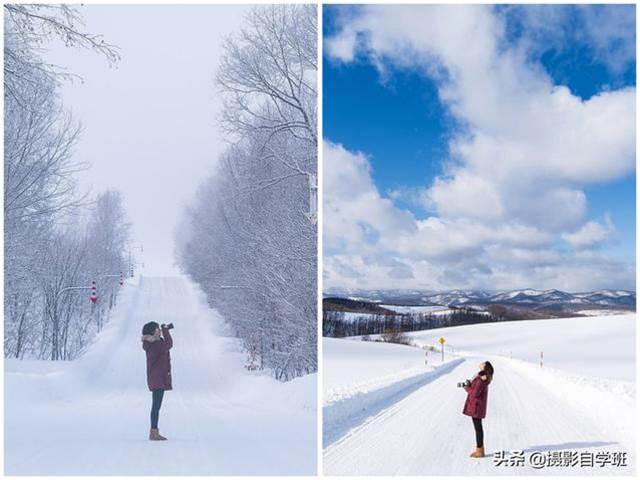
pixel 94 292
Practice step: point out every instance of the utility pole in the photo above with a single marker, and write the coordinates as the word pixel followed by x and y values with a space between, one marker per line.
pixel 312 214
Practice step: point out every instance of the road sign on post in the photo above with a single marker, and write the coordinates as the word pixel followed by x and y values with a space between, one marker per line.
pixel 441 341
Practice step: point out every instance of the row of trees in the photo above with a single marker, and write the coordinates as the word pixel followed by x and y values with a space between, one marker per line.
pixel 249 237
pixel 340 324
pixel 54 237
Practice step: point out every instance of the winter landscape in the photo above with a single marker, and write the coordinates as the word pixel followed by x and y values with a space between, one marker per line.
pixel 88 416
pixel 479 224
pixel 160 171
pixel 392 409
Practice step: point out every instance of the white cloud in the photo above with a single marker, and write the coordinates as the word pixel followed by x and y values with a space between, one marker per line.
pixel 514 180
pixel 605 28
pixel 342 46
pixel 356 210
pixel 590 234
pixel 439 253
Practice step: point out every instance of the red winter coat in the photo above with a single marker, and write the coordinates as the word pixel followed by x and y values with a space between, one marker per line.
pixel 159 362
pixel 476 404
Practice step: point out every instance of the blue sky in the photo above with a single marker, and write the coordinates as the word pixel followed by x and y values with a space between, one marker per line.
pixel 382 105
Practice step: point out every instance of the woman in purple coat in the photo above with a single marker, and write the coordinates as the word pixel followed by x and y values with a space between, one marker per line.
pixel 157 348
pixel 476 404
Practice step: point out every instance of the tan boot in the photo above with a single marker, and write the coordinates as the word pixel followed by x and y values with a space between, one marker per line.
pixel 154 434
pixel 479 453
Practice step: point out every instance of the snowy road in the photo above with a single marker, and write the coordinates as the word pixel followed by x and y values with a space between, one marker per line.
pixel 425 433
pixel 91 416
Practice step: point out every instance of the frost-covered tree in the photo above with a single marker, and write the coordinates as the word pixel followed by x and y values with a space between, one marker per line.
pixel 249 238
pixel 48 245
pixel 27 28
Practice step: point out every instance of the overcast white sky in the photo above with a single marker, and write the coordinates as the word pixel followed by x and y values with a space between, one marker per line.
pixel 150 125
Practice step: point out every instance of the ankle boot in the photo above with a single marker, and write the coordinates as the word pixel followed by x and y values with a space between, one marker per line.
pixel 154 434
pixel 479 453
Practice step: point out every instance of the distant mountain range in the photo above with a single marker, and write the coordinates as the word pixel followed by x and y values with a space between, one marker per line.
pixel 529 298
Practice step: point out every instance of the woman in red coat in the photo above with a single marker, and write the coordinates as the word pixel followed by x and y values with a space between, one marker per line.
pixel 476 404
pixel 157 347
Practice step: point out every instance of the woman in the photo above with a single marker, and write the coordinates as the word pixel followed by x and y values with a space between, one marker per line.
pixel 158 369
pixel 476 404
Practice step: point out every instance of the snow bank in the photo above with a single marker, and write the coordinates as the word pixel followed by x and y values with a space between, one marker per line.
pixel 354 366
pixel 363 378
pixel 299 393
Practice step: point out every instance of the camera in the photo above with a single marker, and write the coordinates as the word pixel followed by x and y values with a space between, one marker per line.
pixel 168 327
pixel 466 383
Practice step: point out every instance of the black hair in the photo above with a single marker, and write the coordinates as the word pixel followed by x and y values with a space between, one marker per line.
pixel 149 328
pixel 488 370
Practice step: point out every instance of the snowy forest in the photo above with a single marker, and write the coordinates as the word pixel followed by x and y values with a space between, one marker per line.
pixel 57 239
pixel 249 236
pixel 346 324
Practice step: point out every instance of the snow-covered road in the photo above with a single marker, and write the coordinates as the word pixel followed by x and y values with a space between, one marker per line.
pixel 91 416
pixel 425 433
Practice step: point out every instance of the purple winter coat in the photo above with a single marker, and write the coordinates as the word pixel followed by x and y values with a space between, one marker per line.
pixel 476 404
pixel 159 362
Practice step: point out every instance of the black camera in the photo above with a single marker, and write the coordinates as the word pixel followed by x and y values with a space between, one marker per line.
pixel 466 383
pixel 168 327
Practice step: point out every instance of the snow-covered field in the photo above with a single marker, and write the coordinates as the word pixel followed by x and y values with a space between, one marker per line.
pixel 602 312
pixel 432 309
pixel 592 346
pixel 356 316
pixel 400 417
pixel 91 416
pixel 370 365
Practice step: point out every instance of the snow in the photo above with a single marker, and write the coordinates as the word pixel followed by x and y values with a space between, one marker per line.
pixel 601 312
pixel 402 423
pixel 91 416
pixel 357 316
pixel 432 309
pixel 353 367
pixel 602 346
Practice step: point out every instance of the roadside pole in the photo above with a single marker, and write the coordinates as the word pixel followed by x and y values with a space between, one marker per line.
pixel 441 341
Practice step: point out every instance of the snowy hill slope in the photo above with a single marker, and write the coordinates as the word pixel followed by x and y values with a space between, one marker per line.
pixel 91 416
pixel 602 347
pixel 420 429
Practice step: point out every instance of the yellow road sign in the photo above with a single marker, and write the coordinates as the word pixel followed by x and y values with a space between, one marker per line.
pixel 441 340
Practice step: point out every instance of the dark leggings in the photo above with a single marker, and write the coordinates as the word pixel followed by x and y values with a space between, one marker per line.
pixel 477 424
pixel 156 395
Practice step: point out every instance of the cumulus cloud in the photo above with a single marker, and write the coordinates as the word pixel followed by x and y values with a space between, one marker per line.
pixel 519 161
pixel 590 234
pixel 371 243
